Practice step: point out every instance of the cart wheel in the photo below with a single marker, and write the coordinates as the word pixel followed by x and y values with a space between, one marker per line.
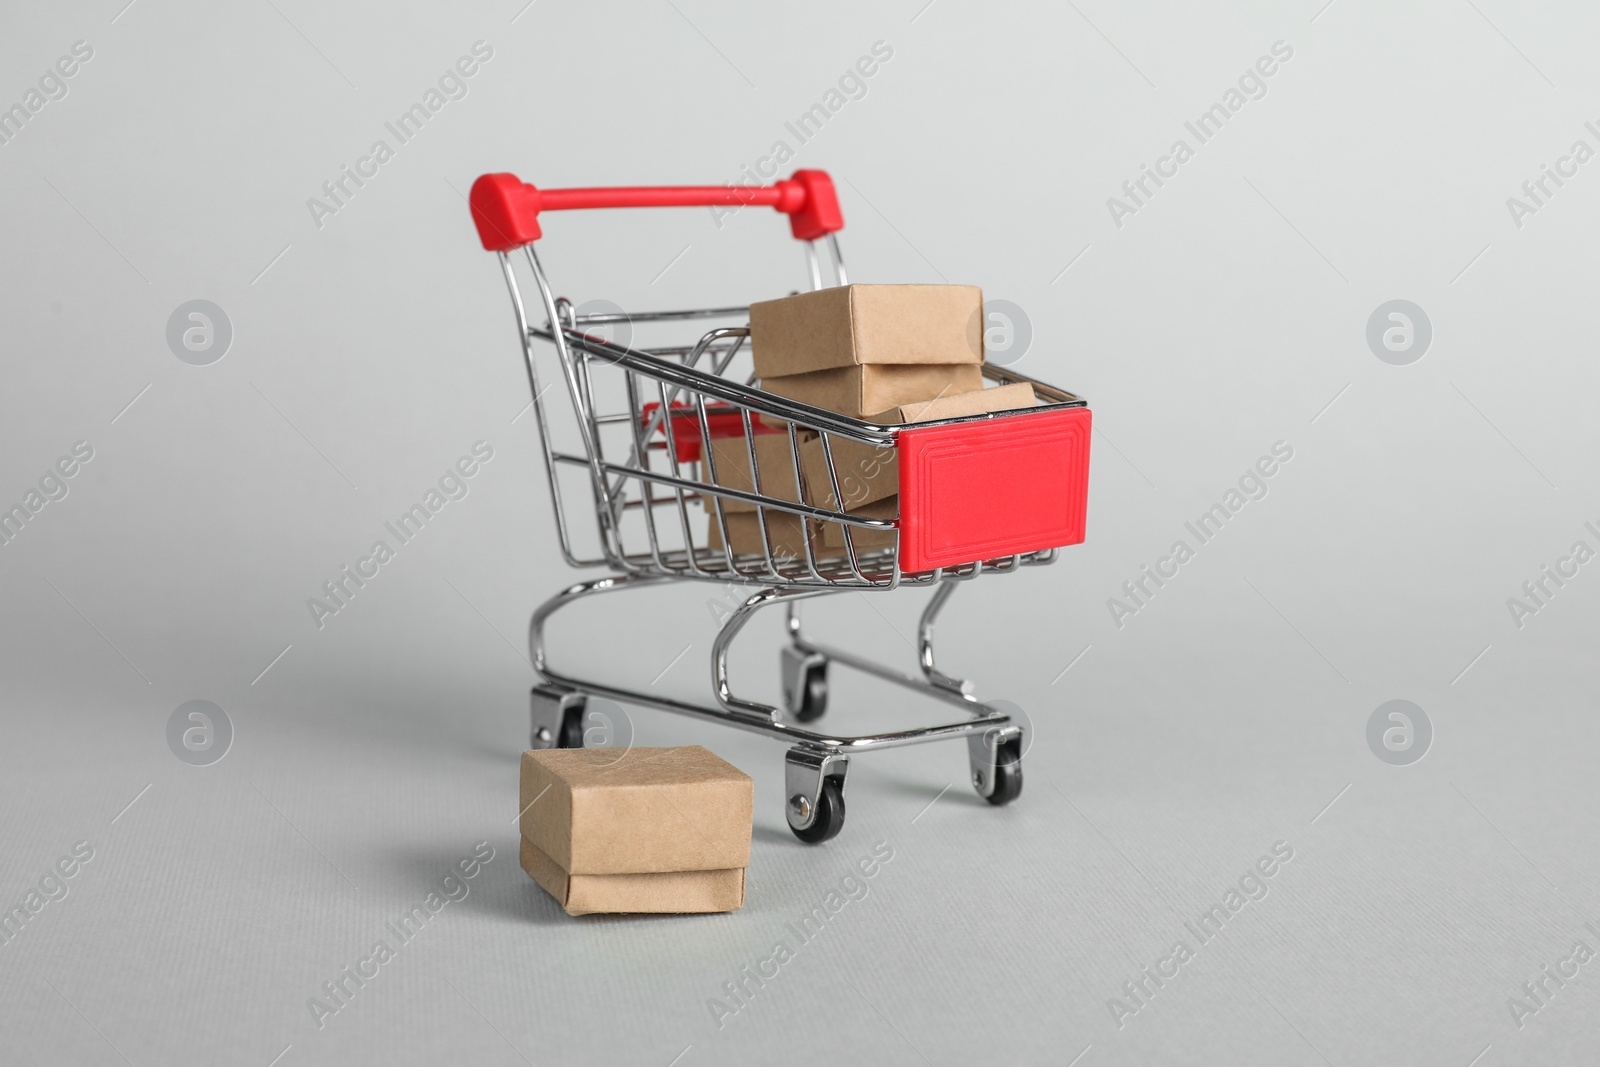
pixel 1007 774
pixel 571 733
pixel 813 693
pixel 550 708
pixel 830 815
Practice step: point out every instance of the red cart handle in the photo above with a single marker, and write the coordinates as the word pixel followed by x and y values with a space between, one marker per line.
pixel 506 210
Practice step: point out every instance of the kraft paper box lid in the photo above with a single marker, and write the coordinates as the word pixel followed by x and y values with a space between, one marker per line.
pixel 636 811
pixel 955 405
pixel 664 892
pixel 867 473
pixel 860 391
pixel 853 325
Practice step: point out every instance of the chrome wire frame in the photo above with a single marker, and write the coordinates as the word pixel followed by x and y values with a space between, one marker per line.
pixel 983 719
pixel 645 476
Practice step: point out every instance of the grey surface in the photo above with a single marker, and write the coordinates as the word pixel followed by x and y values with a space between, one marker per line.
pixel 1229 313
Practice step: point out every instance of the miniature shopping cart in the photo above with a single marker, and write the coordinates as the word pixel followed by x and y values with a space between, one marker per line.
pixel 978 495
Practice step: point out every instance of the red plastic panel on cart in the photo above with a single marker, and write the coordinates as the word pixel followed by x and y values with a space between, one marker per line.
pixel 722 420
pixel 982 490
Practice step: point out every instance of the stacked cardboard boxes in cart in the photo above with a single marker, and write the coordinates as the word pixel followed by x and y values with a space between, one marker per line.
pixel 885 354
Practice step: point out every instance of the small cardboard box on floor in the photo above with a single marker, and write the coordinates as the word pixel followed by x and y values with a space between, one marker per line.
pixel 636 830
pixel 857 349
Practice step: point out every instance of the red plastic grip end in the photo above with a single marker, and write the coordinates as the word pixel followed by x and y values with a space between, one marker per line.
pixel 816 212
pixel 506 211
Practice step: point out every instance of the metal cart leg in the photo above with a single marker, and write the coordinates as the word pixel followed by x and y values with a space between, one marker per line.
pixel 813 775
pixel 730 629
pixel 995 753
pixel 816 763
pixel 805 680
pixel 925 642
pixel 805 655
pixel 804 670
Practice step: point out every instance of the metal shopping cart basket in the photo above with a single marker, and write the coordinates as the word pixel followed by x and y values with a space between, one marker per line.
pixel 978 495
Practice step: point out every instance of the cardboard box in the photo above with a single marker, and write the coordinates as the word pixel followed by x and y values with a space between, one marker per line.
pixel 866 472
pixel 678 892
pixel 860 325
pixel 636 811
pixel 774 460
pixel 857 391
pixel 787 531
pixel 642 829
pixel 827 540
pixel 865 540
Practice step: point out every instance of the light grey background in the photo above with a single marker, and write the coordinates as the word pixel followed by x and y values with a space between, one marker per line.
pixel 368 354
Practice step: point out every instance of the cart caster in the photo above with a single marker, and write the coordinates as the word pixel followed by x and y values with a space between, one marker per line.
pixel 827 818
pixel 571 735
pixel 805 684
pixel 1007 775
pixel 557 716
pixel 997 764
pixel 815 784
